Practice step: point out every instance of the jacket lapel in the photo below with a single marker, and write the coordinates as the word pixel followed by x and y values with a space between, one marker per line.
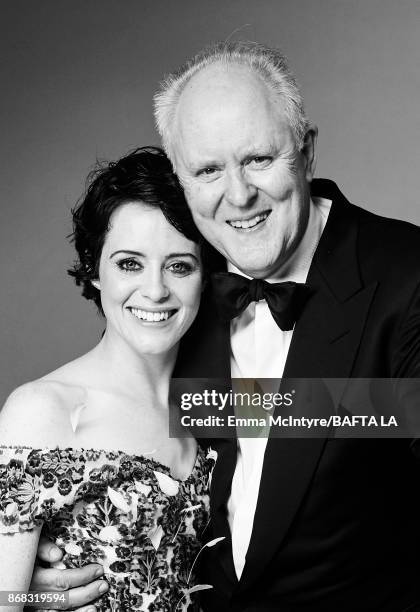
pixel 324 345
pixel 205 355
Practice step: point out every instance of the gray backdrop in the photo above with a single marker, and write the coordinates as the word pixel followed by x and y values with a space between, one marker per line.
pixel 77 80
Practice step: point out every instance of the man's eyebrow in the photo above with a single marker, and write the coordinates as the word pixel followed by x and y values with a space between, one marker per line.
pixel 127 252
pixel 252 151
pixel 255 150
pixel 205 163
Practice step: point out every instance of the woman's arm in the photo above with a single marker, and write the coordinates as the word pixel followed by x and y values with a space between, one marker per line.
pixel 19 426
pixel 17 558
pixel 78 587
pixel 36 416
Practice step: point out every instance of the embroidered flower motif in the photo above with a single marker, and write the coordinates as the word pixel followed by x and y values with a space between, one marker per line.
pixel 123 552
pixel 167 485
pixel 34 463
pixel 73 549
pixel 211 454
pixel 10 516
pixel 119 567
pixel 142 488
pixel 64 486
pixel 155 535
pixel 14 471
pixel 49 480
pixel 126 466
pixel 47 509
pixel 118 500
pixel 109 534
pixel 27 492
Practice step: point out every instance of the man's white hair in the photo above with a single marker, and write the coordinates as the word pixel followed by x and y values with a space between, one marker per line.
pixel 269 63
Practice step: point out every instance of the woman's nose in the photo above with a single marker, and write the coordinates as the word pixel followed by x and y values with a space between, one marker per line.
pixel 154 286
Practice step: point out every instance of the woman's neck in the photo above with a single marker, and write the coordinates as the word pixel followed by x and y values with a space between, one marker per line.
pixel 124 369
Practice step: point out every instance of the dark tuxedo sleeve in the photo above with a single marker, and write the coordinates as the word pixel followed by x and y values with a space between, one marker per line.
pixel 407 352
pixel 407 369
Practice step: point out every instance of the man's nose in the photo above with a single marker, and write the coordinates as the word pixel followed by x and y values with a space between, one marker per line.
pixel 239 191
pixel 154 286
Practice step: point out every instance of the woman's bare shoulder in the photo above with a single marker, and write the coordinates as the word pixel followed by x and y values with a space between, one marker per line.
pixel 38 413
pixel 76 374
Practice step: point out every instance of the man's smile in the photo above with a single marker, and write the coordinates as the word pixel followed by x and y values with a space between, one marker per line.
pixel 250 222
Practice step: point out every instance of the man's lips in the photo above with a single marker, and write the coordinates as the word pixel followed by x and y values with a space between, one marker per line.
pixel 249 222
pixel 152 316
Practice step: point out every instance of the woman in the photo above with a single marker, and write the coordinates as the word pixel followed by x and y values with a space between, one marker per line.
pixel 85 449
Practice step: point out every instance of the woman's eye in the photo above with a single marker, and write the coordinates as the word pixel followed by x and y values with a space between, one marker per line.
pixel 180 268
pixel 129 265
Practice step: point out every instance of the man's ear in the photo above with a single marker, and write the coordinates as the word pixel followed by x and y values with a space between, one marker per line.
pixel 96 284
pixel 309 151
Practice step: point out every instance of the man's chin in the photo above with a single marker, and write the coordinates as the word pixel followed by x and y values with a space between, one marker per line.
pixel 255 269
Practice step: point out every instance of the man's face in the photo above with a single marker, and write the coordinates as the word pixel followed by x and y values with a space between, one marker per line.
pixel 244 179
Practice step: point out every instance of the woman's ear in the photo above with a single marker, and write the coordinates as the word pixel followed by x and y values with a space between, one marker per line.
pixel 96 284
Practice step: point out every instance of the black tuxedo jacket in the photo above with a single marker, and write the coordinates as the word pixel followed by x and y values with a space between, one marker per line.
pixel 337 524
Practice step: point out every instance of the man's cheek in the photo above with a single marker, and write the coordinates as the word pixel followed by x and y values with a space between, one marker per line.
pixel 201 211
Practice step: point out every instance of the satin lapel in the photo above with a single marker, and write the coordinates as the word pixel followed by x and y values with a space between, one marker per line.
pixel 219 494
pixel 324 345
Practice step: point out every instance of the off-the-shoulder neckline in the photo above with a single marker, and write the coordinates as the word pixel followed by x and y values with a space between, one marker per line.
pixel 200 455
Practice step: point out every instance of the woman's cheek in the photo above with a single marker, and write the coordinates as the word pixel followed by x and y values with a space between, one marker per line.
pixel 192 296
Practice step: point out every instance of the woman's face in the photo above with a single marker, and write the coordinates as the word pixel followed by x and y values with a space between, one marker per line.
pixel 150 279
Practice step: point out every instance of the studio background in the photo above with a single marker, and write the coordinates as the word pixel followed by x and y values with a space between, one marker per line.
pixel 77 81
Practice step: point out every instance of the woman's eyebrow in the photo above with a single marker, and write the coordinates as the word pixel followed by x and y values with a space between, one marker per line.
pixel 127 252
pixel 139 254
pixel 188 254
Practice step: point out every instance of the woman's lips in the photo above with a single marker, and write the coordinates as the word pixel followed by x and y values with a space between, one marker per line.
pixel 152 316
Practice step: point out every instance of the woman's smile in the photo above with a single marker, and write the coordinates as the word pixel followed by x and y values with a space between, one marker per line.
pixel 152 316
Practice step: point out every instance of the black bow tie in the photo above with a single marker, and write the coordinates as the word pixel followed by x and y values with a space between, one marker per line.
pixel 233 293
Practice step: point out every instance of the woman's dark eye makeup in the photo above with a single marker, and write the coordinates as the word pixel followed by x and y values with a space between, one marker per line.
pixel 179 268
pixel 129 265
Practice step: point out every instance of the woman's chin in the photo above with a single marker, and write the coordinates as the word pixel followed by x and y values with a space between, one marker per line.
pixel 156 347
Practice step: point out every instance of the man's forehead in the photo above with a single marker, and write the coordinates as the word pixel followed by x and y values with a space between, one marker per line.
pixel 244 130
pixel 214 86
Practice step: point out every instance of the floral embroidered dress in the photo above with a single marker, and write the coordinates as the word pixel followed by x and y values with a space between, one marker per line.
pixel 125 512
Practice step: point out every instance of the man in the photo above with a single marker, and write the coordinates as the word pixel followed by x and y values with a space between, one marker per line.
pixel 309 524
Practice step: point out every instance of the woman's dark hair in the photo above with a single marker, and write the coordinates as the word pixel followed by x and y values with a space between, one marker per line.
pixel 145 175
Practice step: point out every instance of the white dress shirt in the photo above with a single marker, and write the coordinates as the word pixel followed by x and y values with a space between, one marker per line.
pixel 259 349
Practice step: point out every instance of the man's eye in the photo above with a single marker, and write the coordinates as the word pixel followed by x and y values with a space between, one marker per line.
pixel 207 171
pixel 180 268
pixel 260 161
pixel 129 265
